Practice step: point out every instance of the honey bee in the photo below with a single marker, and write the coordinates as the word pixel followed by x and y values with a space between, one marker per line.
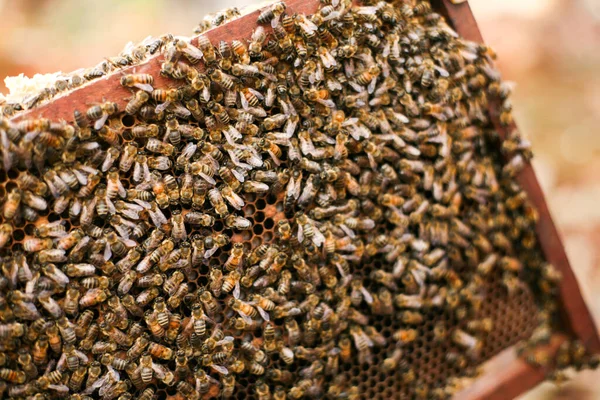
pixel 245 310
pixel 33 245
pixel 6 231
pixel 178 232
pixel 12 376
pixel 207 50
pixel 216 199
pixel 466 341
pixel 11 205
pixel 191 52
pixel 160 351
pixel 140 81
pixel 228 383
pixel 135 104
pixel 209 302
pixel 100 113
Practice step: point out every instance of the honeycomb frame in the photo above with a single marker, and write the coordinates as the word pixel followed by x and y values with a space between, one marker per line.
pixel 515 314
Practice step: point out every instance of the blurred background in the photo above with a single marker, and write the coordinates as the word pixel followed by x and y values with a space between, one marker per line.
pixel 550 48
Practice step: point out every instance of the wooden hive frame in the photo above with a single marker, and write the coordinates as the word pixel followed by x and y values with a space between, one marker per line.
pixel 505 376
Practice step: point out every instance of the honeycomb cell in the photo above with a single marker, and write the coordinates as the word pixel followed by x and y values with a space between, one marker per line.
pixel 259 216
pixel 18 235
pixel 268 224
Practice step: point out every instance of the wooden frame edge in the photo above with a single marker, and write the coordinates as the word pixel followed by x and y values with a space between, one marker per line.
pixel 575 312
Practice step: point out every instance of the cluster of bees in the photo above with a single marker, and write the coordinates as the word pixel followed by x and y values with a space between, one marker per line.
pixel 132 54
pixel 367 127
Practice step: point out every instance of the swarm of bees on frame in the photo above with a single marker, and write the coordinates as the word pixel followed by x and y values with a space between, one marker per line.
pixel 250 230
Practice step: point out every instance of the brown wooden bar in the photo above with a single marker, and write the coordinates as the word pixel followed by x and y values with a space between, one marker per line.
pixel 507 376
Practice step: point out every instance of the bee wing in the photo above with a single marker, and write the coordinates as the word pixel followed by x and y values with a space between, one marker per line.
pixel 399 267
pixel 443 73
pixel 144 86
pixel 189 150
pixel 31 284
pixel 341 270
pixel 122 230
pixel 100 382
pixel 181 109
pixel 244 101
pixel 367 339
pixel 257 112
pixel 121 189
pixel 263 313
pixel 137 172
pixel 332 15
pixel 386 49
pixel 225 340
pixel 160 372
pixel 300 233
pixel 257 33
pixel 327 103
pixel 107 252
pixel 358 88
pixel 82 356
pixel 60 277
pixel 350 121
pixel 334 84
pixel 143 203
pixel 308 25
pixel 220 369
pixel 237 290
pixel 110 205
pixel 297 187
pixel 318 74
pixel 257 93
pixel 235 200
pixel 158 216
pixel 234 132
pixel 366 295
pixel 306 193
pixel 238 175
pixel 275 158
pixel 287 352
pixel 7 157
pixel 162 107
pixel 372 84
pixel 193 51
pixel 275 22
pixel 207 178
pixel 290 127
pixel 128 242
pixel 236 161
pixel 60 365
pixel 318 238
pixel 326 61
pixel 347 230
pixel 100 122
pixel 228 137
pixel 81 177
pixel 206 94
pixel 208 253
pixel 245 317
